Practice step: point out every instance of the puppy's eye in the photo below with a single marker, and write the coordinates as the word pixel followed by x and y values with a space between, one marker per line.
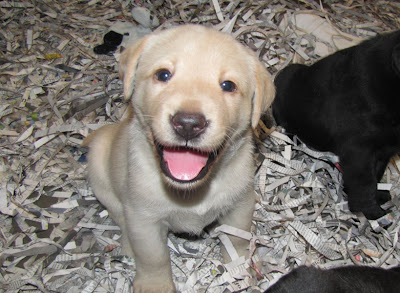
pixel 163 75
pixel 228 86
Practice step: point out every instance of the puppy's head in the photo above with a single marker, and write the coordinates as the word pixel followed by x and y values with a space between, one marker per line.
pixel 196 90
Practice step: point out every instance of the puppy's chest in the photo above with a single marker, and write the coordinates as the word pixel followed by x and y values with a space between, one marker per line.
pixel 191 221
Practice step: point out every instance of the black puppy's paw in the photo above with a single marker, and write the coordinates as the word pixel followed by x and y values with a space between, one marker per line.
pixel 373 212
pixel 368 202
pixel 383 196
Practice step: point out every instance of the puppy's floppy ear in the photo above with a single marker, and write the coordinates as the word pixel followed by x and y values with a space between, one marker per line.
pixel 128 63
pixel 264 93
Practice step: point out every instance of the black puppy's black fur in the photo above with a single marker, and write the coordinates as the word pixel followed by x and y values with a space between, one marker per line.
pixel 351 279
pixel 348 103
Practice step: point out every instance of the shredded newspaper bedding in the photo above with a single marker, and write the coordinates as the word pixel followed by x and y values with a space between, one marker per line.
pixel 54 89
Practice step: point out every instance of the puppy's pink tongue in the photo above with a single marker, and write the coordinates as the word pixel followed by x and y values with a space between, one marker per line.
pixel 184 164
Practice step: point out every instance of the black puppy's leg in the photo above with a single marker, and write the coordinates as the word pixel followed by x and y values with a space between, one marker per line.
pixel 360 181
pixel 382 196
pixel 382 160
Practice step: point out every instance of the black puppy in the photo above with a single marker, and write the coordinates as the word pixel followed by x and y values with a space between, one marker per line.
pixel 349 279
pixel 348 103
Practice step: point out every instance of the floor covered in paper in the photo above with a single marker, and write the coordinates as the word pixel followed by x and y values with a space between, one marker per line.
pixel 54 90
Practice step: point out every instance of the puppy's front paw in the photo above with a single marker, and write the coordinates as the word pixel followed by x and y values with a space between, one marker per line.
pixel 383 196
pixel 373 213
pixel 145 285
pixel 371 208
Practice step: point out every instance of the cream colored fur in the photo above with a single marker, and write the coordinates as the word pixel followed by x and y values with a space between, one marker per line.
pixel 124 168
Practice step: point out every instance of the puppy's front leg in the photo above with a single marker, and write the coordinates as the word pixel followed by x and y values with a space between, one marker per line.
pixel 360 180
pixel 240 217
pixel 153 264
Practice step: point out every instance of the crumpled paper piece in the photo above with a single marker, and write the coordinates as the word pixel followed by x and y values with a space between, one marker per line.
pixel 323 30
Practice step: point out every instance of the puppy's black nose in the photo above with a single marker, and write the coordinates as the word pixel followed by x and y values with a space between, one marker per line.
pixel 189 125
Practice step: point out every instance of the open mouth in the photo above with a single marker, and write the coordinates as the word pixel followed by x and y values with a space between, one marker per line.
pixel 183 164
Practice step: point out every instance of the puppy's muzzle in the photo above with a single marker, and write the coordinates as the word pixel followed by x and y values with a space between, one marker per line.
pixel 189 125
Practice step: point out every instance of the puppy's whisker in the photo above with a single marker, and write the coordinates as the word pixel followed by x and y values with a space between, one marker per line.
pixel 148 118
pixel 228 136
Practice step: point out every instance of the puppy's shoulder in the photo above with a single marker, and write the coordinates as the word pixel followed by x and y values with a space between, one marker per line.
pixel 110 131
pixel 105 132
pixel 290 71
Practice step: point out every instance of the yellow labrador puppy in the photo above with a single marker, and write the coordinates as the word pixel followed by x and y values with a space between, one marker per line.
pixel 184 158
